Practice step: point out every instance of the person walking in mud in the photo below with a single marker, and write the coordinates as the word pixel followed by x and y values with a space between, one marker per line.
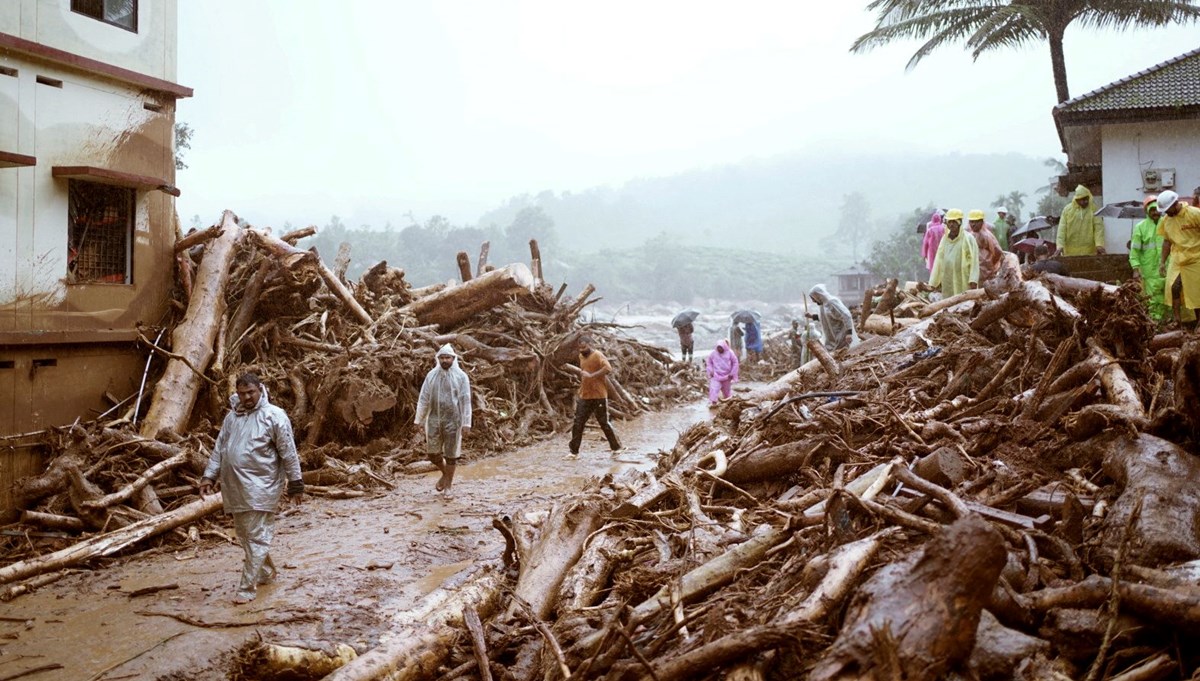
pixel 593 397
pixel 722 368
pixel 687 341
pixel 253 462
pixel 444 410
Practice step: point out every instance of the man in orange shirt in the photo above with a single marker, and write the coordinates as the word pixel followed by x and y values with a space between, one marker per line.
pixel 593 396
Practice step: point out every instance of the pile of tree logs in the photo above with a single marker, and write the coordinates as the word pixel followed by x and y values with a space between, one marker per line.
pixel 344 359
pixel 1006 488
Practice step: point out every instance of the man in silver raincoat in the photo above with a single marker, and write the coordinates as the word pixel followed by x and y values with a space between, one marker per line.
pixel 253 461
pixel 444 409
pixel 837 324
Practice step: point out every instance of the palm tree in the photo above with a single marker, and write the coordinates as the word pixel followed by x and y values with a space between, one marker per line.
pixel 990 24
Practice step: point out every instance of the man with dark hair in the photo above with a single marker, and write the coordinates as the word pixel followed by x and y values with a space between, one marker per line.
pixel 253 461
pixel 593 397
pixel 1043 263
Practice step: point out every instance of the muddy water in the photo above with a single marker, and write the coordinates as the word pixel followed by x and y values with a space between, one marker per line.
pixel 347 567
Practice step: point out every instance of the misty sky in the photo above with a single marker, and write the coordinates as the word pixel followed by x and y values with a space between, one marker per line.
pixel 369 109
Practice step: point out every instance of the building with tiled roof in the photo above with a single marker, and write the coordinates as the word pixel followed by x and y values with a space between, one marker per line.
pixel 1136 136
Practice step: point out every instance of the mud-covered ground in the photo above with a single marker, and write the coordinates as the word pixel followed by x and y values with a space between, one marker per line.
pixel 347 566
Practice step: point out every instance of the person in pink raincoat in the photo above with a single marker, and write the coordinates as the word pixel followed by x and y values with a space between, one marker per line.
pixel 933 237
pixel 722 369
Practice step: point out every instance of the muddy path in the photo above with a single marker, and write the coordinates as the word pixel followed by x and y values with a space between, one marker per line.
pixel 347 566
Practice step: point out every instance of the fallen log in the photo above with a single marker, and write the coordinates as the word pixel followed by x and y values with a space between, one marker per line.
pixel 198 237
pixel 455 304
pixel 544 562
pixel 422 640
pixel 970 295
pixel 127 492
pixel 111 542
pixel 886 326
pixel 175 393
pixel 828 363
pixel 845 566
pixel 925 609
pixel 1164 480
pixel 259 659
pixel 52 521
pixel 334 283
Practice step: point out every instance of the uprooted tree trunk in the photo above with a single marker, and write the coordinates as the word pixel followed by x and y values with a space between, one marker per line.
pixel 193 339
pixel 425 634
pixel 1164 480
pixel 106 544
pixel 457 303
pixel 557 547
pixel 921 613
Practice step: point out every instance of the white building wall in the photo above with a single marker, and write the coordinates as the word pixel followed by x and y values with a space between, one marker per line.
pixel 1128 148
pixel 151 51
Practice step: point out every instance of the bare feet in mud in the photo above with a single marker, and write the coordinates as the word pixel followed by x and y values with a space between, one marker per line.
pixel 242 600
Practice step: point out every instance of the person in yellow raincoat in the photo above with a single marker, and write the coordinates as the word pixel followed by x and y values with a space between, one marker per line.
pixel 1080 230
pixel 1180 260
pixel 956 265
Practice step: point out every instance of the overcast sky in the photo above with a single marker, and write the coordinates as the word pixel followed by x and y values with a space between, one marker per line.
pixel 369 108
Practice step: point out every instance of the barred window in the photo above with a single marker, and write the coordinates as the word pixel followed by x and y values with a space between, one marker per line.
pixel 100 233
pixel 121 13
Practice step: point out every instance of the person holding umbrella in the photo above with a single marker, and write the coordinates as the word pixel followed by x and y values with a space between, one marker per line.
pixel 1145 251
pixel 1080 230
pixel 683 326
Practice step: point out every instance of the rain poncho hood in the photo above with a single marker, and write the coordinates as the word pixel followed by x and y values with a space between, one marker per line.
pixel 956 264
pixel 722 366
pixel 933 237
pixel 445 393
pixel 836 320
pixel 1080 230
pixel 254 456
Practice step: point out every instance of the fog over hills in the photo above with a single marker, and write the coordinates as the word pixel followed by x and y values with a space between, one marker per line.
pixel 791 203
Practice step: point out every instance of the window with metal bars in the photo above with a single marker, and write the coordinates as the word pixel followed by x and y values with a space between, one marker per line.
pixel 100 233
pixel 121 13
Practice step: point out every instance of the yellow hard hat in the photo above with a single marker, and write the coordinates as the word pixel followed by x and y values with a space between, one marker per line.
pixel 954 214
pixel 975 215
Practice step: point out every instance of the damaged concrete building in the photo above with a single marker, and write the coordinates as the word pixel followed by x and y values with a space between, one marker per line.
pixel 87 211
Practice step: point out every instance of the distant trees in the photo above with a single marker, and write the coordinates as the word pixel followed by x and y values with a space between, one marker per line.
pixel 898 254
pixel 984 25
pixel 183 142
pixel 1013 202
pixel 854 225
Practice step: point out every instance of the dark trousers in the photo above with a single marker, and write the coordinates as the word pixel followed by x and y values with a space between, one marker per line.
pixel 584 409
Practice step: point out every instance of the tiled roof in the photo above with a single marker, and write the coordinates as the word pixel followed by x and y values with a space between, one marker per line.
pixel 1172 84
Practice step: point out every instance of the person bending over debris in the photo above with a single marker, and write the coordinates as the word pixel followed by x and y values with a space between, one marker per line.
pixel 444 409
pixel 1180 260
pixel 1043 263
pixel 252 462
pixel 593 397
pixel 722 370
pixel 837 324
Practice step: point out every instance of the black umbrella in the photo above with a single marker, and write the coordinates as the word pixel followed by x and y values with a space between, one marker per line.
pixel 746 317
pixel 684 318
pixel 1035 225
pixel 1124 210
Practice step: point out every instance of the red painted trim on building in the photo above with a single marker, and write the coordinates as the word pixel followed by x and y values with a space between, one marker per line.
pixel 114 177
pixel 62 57
pixel 11 159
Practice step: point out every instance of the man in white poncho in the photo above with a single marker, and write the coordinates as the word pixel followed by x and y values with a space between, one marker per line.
pixel 837 324
pixel 444 408
pixel 253 461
